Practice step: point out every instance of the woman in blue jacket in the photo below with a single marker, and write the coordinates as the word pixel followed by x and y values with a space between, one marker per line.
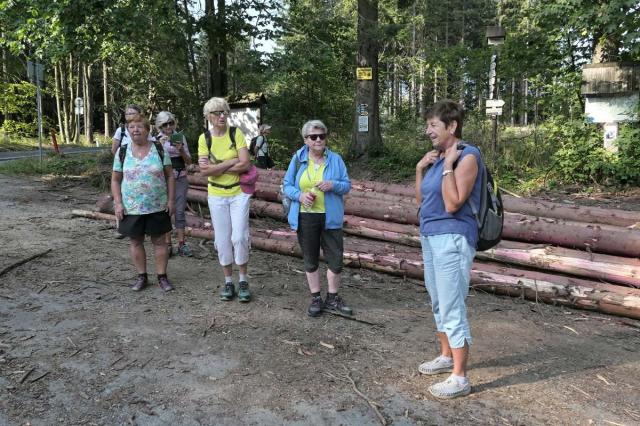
pixel 315 182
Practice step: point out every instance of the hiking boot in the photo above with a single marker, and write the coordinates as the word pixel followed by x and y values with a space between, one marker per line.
pixel 438 365
pixel 450 388
pixel 315 308
pixel 334 303
pixel 184 250
pixel 244 295
pixel 119 236
pixel 228 292
pixel 141 282
pixel 164 284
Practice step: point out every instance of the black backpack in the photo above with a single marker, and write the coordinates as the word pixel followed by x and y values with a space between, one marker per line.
pixel 252 146
pixel 490 213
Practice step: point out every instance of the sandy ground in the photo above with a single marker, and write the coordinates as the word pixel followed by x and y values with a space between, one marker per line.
pixel 78 347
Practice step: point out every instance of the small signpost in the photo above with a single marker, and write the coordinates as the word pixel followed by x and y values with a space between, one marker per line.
pixel 494 106
pixel 363 118
pixel 364 73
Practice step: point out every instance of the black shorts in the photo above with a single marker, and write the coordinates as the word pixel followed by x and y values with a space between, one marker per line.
pixel 145 224
pixel 312 235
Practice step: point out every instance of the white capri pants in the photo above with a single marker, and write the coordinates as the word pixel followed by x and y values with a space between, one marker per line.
pixel 230 220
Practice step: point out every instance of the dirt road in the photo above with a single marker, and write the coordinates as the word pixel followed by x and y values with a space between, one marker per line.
pixel 78 347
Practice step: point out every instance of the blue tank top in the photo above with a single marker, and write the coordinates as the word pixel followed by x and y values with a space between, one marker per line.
pixel 434 219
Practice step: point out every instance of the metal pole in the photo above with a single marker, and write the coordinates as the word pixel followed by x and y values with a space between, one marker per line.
pixel 39 102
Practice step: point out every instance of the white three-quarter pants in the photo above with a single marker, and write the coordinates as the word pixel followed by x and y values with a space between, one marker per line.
pixel 230 219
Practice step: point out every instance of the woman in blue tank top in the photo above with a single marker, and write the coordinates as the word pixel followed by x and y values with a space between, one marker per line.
pixel 446 178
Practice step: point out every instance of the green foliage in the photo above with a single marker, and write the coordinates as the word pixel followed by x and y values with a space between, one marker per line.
pixel 581 157
pixel 52 164
pixel 625 166
pixel 19 100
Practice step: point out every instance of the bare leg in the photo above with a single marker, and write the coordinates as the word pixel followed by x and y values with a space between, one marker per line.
pixel 334 281
pixel 138 254
pixel 228 270
pixel 460 355
pixel 445 349
pixel 313 278
pixel 179 234
pixel 243 269
pixel 460 358
pixel 161 253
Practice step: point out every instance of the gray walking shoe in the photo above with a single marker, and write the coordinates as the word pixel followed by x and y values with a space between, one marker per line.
pixel 450 388
pixel 438 365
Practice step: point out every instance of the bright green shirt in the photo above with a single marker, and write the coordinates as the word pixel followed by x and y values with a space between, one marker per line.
pixel 308 181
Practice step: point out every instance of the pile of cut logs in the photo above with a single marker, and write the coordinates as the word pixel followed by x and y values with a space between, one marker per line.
pixel 584 257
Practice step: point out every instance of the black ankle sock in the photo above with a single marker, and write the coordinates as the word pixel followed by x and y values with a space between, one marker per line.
pixel 162 275
pixel 332 294
pixel 317 294
pixel 145 275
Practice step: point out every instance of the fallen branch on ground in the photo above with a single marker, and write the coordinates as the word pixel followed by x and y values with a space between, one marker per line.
pixel 22 262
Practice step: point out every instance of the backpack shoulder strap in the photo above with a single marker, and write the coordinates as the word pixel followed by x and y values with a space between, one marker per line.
pixel 122 153
pixel 160 150
pixel 207 138
pixel 232 136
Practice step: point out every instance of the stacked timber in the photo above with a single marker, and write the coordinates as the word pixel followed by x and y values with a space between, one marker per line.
pixel 584 257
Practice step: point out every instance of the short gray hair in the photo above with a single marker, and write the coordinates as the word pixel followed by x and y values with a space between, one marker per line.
pixel 164 117
pixel 215 104
pixel 313 124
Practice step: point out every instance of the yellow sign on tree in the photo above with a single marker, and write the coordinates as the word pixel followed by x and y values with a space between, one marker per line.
pixel 364 73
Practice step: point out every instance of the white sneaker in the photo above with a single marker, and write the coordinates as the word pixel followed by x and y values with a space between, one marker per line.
pixel 436 366
pixel 450 388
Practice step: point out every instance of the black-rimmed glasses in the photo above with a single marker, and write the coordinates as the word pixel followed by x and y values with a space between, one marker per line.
pixel 321 136
pixel 219 113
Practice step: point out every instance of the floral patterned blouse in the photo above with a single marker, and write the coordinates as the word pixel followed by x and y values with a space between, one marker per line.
pixel 144 188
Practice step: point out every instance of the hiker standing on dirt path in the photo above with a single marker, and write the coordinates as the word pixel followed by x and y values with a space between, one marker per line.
pixel 446 178
pixel 316 181
pixel 263 159
pixel 143 190
pixel 175 145
pixel 222 157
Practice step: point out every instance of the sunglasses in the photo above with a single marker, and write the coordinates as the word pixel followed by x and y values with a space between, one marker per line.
pixel 168 123
pixel 219 113
pixel 321 136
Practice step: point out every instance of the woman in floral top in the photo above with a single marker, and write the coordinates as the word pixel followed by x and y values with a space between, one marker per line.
pixel 143 186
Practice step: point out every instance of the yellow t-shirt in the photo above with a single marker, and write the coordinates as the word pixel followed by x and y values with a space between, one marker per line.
pixel 222 149
pixel 310 177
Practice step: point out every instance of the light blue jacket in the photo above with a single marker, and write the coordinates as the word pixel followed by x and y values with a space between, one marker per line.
pixel 335 170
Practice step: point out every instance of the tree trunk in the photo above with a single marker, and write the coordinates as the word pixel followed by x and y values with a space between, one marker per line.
pixel 88 102
pixel 192 70
pixel 65 93
pixel 105 95
pixel 366 127
pixel 550 288
pixel 59 102
pixel 5 81
pixel 589 214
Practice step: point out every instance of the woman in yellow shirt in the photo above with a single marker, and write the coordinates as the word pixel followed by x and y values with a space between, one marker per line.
pixel 223 156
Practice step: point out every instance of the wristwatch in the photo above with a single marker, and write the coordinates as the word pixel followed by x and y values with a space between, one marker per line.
pixel 446 172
